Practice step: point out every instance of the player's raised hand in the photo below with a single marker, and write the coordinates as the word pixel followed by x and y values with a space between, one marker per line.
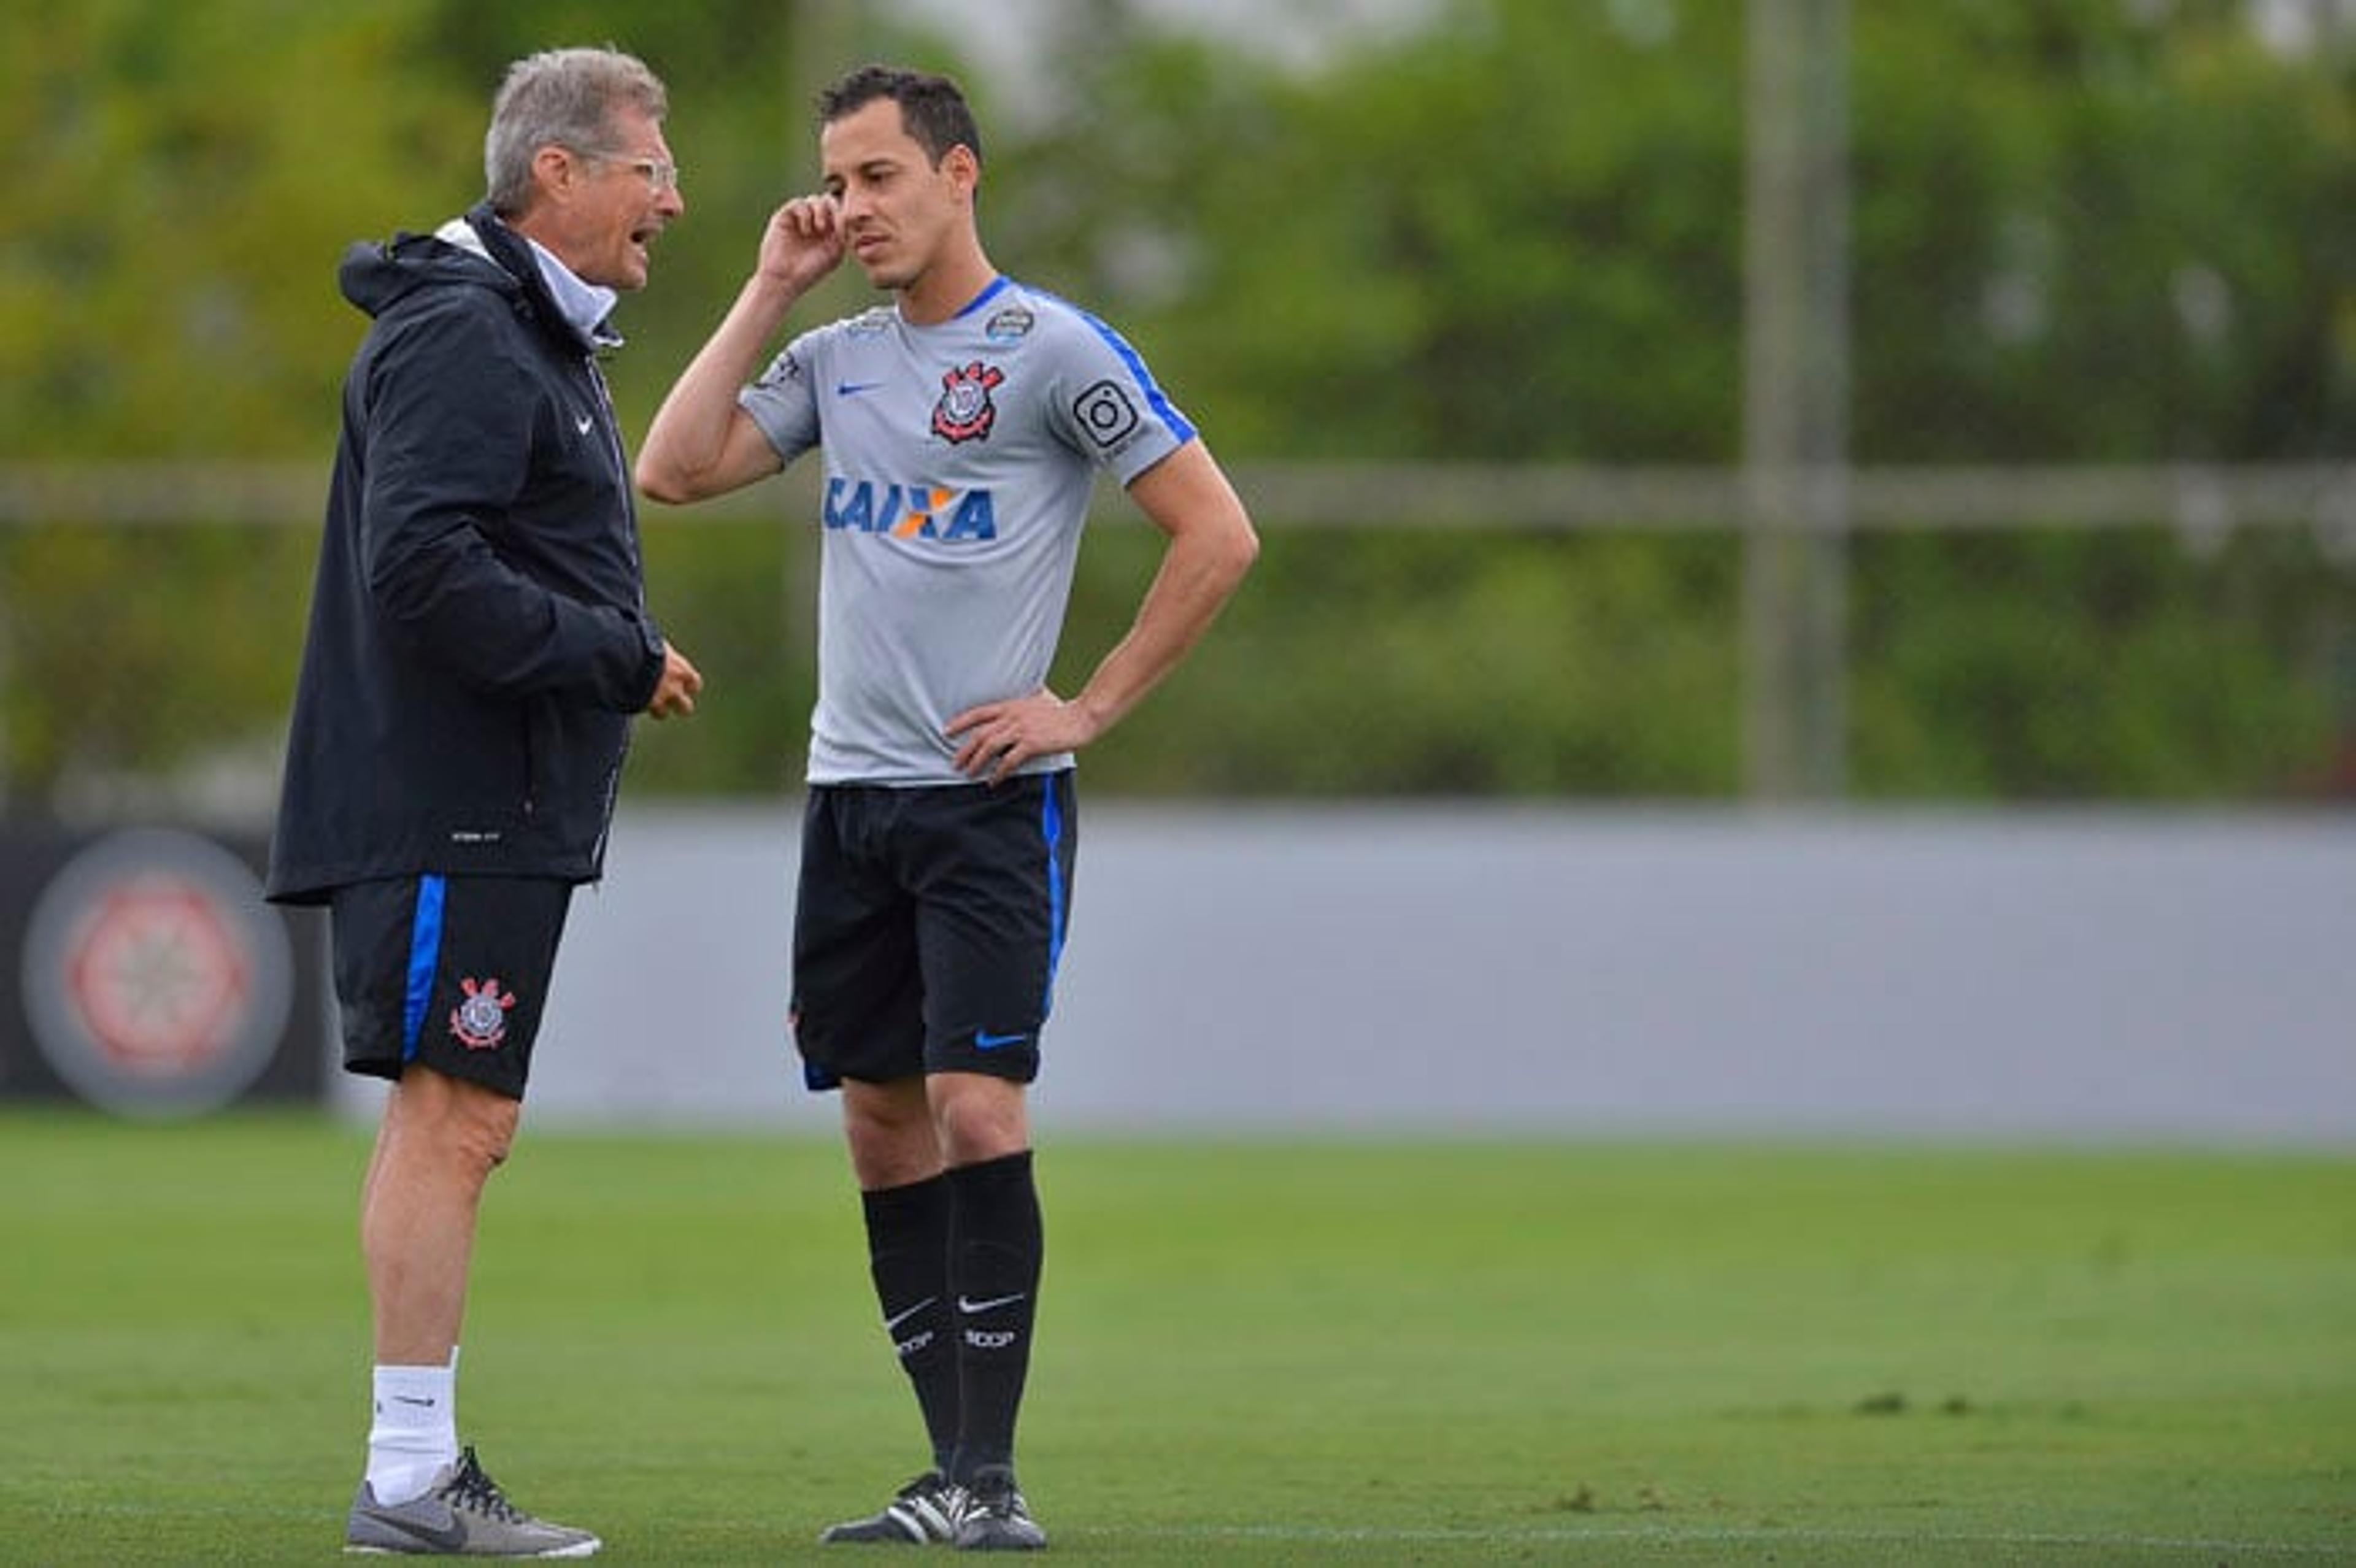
pixel 803 242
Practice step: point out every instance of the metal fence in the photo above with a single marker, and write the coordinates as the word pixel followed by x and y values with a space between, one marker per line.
pixel 151 614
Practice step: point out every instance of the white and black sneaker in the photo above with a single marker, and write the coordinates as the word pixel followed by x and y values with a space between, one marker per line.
pixel 995 1517
pixel 462 1514
pixel 924 1511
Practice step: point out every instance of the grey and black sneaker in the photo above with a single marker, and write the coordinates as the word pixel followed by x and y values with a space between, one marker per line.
pixel 462 1514
pixel 923 1511
pixel 995 1517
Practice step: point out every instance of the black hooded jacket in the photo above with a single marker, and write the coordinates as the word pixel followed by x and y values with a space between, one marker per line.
pixel 478 632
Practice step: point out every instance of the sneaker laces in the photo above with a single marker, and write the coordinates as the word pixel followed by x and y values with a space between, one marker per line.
pixel 936 1492
pixel 993 1494
pixel 471 1490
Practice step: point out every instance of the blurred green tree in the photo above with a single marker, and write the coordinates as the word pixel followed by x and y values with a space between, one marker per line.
pixel 194 172
pixel 2083 232
pixel 2096 232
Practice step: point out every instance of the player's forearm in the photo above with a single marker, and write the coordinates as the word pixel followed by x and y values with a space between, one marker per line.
pixel 681 456
pixel 1199 574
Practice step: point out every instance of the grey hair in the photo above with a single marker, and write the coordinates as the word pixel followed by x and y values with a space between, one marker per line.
pixel 566 97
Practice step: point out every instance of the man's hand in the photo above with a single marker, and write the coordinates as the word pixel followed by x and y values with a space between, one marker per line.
pixel 803 242
pixel 675 693
pixel 1000 737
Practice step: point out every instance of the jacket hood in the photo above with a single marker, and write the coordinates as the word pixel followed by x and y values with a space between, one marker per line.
pixel 377 276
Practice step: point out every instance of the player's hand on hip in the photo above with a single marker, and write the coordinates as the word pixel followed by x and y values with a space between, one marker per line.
pixel 803 242
pixel 676 692
pixel 997 737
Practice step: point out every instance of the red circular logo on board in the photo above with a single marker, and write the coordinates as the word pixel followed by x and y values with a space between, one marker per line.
pixel 156 980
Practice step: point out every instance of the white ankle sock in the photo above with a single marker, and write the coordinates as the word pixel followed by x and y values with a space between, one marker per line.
pixel 415 1431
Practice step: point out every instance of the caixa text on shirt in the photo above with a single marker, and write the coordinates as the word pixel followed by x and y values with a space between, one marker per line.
pixel 910 511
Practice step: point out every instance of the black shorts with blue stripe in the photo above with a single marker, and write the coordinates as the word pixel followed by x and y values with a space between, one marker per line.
pixel 450 972
pixel 927 927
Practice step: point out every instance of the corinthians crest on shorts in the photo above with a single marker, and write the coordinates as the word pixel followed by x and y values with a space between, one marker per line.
pixel 480 1021
pixel 965 411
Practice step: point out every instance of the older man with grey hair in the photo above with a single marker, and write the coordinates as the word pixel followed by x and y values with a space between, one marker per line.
pixel 480 642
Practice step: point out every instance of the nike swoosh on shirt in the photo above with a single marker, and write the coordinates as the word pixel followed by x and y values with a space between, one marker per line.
pixel 985 1040
pixel 967 1303
pixel 892 1324
pixel 853 388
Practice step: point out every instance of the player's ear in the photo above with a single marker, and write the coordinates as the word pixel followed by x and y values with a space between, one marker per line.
pixel 960 164
pixel 554 170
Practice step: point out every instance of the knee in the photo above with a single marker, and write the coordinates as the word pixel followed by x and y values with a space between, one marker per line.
pixel 979 1118
pixel 470 1127
pixel 890 1131
pixel 484 1129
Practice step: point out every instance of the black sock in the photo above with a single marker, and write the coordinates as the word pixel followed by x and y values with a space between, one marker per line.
pixel 908 1258
pixel 995 1246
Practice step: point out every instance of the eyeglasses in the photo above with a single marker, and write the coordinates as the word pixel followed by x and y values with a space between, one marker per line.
pixel 660 172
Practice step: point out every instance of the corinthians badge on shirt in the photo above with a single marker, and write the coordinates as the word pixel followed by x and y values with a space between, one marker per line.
pixel 965 411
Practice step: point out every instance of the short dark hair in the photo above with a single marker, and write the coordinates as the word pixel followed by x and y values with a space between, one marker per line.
pixel 932 109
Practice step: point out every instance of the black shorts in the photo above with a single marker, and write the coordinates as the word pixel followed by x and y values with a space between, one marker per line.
pixel 927 927
pixel 448 971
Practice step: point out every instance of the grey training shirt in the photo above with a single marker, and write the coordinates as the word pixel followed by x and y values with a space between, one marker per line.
pixel 959 462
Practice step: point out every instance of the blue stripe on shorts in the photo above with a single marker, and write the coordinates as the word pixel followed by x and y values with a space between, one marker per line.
pixel 424 958
pixel 1051 829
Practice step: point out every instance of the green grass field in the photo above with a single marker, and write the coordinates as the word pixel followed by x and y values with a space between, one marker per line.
pixel 1256 1351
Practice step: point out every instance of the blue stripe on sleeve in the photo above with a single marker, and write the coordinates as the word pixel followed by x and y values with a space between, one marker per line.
pixel 1163 409
pixel 424 958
